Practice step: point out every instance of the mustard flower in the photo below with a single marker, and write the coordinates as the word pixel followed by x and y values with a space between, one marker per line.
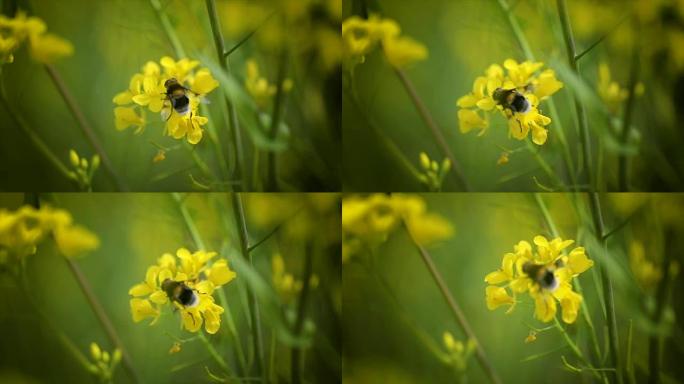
pixel 83 171
pixel 287 286
pixel 360 37
pixel 545 274
pixel 103 364
pixel 186 284
pixel 259 88
pixel 147 90
pixel 433 173
pixel 21 231
pixel 44 47
pixel 368 221
pixel 515 91
pixel 458 353
pixel 611 92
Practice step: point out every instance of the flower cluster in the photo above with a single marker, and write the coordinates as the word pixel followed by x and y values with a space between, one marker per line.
pixel 368 221
pixel 192 274
pixel 83 170
pixel 21 231
pixel 545 274
pixel 284 283
pixel 610 91
pixel 515 93
pixel 259 88
pixel 458 353
pixel 360 37
pixel 433 173
pixel 44 47
pixel 103 364
pixel 147 90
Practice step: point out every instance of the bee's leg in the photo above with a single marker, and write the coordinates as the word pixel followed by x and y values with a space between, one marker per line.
pixel 170 113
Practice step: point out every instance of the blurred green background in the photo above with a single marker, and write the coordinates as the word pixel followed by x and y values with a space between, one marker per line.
pixel 114 39
pixel 380 343
pixel 136 229
pixel 465 37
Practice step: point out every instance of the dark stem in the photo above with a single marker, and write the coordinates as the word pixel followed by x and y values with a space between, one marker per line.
pixel 86 128
pixel 655 353
pixel 278 103
pixel 239 213
pixel 623 160
pixel 233 122
pixel 296 363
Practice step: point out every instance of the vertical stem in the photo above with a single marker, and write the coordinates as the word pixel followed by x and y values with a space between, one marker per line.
pixel 654 341
pixel 102 317
pixel 579 107
pixel 214 354
pixel 608 295
pixel 272 179
pixel 85 126
pixel 168 28
pixel 436 132
pixel 239 213
pixel 623 161
pixel 296 354
pixel 240 170
pixel 456 310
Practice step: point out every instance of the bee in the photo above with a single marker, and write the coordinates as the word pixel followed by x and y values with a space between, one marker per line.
pixel 177 95
pixel 180 293
pixel 543 274
pixel 511 99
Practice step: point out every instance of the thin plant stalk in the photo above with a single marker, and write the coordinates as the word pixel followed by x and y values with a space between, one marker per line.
pixel 429 121
pixel 579 107
pixel 168 28
pixel 529 55
pixel 239 215
pixel 197 238
pixel 276 117
pixel 85 126
pixel 458 313
pixel 623 160
pixel 297 351
pixel 214 354
pixel 575 349
pixel 106 323
pixel 240 170
pixel 655 350
pixel 608 294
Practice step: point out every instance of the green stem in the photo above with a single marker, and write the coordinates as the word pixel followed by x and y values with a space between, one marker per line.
pixel 239 214
pixel 218 147
pixel 529 55
pixel 102 317
pixel 240 170
pixel 278 106
pixel 168 28
pixel 623 160
pixel 574 347
pixel 608 295
pixel 85 126
pixel 33 136
pixel 456 310
pixel 271 359
pixel 296 354
pixel 655 350
pixel 215 355
pixel 429 121
pixel 579 107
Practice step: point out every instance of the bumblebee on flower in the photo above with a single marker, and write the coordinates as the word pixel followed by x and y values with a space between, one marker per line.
pixel 516 94
pixel 188 286
pixel 545 274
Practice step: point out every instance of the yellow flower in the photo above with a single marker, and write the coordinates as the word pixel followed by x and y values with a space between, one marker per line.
pixel 44 47
pixel 403 51
pixel 160 156
pixel 83 171
pixel 190 273
pixel 515 94
pixel 531 337
pixel 503 159
pixel 259 88
pixel 74 240
pixel 433 173
pixel 457 352
pixel 285 283
pixel 103 365
pixel 545 274
pixel 147 90
pixel 611 92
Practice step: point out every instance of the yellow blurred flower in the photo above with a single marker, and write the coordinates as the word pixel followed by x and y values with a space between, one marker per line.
pixel 259 88
pixel 545 274
pixel 287 286
pixel 44 47
pixel 83 171
pixel 611 92
pixel 21 231
pixel 368 221
pixel 147 91
pixel 515 93
pixel 433 173
pixel 503 159
pixel 458 353
pixel 403 51
pixel 187 284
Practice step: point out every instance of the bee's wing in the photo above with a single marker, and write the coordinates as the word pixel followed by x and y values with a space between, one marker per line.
pixel 166 113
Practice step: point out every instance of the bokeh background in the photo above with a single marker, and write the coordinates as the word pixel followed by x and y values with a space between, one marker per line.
pixel 114 39
pixel 464 37
pixel 380 341
pixel 134 230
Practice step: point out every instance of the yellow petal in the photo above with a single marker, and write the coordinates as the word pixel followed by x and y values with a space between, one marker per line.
pixel 578 261
pixel 140 290
pixel 204 82
pixel 141 309
pixel 545 307
pixel 74 240
pixel 47 48
pixel 192 320
pixel 496 297
pixel 123 98
pixel 496 277
pixel 159 297
pixel 220 273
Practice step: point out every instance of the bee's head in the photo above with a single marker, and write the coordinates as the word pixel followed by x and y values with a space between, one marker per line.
pixel 499 95
pixel 170 82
